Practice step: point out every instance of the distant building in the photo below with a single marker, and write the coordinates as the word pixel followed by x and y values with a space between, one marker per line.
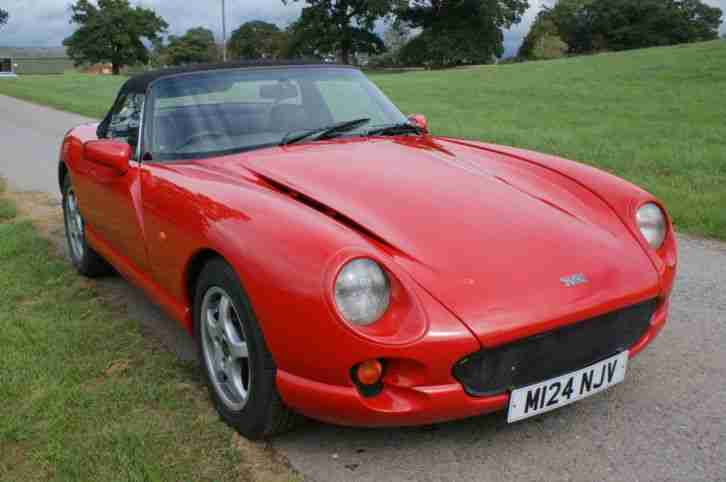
pixel 34 61
pixel 99 69
pixel 7 67
pixel 42 66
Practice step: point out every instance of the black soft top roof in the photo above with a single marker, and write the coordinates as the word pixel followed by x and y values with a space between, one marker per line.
pixel 140 83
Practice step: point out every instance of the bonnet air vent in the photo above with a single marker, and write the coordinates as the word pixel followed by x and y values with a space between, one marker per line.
pixel 328 211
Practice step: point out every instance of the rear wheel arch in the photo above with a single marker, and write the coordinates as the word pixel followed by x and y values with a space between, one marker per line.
pixel 83 257
pixel 62 173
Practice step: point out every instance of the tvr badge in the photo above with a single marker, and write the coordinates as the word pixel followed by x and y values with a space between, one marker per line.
pixel 574 280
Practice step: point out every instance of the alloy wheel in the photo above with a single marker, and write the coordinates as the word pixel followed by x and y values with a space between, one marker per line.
pixel 224 347
pixel 74 225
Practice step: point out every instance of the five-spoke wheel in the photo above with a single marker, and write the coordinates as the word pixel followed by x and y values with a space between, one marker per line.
pixel 236 362
pixel 225 348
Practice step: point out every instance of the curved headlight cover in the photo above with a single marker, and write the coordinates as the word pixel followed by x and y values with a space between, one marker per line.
pixel 362 292
pixel 652 224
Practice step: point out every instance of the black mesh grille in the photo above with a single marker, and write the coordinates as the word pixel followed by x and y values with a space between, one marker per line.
pixel 553 353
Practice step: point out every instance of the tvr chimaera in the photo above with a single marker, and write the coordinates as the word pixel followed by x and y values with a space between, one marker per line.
pixel 334 259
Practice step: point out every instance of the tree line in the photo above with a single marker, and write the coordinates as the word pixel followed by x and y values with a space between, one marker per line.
pixel 447 32
pixel 589 26
pixel 432 33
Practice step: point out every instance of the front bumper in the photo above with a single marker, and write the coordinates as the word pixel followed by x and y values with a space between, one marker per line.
pixel 555 352
pixel 408 405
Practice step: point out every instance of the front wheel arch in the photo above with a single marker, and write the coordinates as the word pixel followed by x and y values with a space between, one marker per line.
pixel 264 414
pixel 194 269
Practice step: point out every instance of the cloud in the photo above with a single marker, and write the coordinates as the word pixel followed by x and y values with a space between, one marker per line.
pixel 44 23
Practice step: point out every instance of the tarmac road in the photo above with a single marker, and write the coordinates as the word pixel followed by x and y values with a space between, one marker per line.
pixel 666 422
pixel 30 143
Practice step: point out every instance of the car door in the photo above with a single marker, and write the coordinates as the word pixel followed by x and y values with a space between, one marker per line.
pixel 111 203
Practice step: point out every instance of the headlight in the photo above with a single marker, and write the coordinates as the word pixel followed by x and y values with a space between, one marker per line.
pixel 652 224
pixel 362 292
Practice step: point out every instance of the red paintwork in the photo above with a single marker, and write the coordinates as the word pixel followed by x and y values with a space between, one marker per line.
pixel 420 121
pixel 474 237
pixel 109 153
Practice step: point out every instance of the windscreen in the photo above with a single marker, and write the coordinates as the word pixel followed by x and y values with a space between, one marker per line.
pixel 220 112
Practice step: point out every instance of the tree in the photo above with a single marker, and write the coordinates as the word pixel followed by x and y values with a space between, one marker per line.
pixel 573 23
pixel 157 53
pixel 396 35
pixel 592 25
pixel 395 38
pixel 113 31
pixel 3 17
pixel 549 47
pixel 459 31
pixel 257 40
pixel 698 21
pixel 194 47
pixel 339 27
pixel 543 36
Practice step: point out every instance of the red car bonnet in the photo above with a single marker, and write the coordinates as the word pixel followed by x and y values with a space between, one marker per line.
pixel 491 237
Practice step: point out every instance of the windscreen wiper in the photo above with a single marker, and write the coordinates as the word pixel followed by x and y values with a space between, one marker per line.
pixel 323 132
pixel 395 129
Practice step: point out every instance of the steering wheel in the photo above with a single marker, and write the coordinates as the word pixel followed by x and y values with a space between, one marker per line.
pixel 197 136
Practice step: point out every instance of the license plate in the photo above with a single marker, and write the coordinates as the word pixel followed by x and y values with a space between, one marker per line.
pixel 557 392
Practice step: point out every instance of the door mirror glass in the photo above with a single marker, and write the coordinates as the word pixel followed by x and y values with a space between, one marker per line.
pixel 109 153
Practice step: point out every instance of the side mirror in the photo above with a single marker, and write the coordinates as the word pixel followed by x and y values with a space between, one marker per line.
pixel 419 120
pixel 109 153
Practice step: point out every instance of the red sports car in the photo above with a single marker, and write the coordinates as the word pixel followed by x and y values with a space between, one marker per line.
pixel 334 259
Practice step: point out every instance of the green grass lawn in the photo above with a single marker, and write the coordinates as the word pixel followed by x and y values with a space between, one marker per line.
pixel 89 95
pixel 83 395
pixel 656 117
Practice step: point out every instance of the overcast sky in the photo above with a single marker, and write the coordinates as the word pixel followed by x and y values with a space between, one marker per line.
pixel 44 23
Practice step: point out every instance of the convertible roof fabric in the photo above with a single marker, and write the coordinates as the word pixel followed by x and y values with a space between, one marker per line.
pixel 140 83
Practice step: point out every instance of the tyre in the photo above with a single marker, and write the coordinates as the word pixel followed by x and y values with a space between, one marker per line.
pixel 236 363
pixel 84 258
